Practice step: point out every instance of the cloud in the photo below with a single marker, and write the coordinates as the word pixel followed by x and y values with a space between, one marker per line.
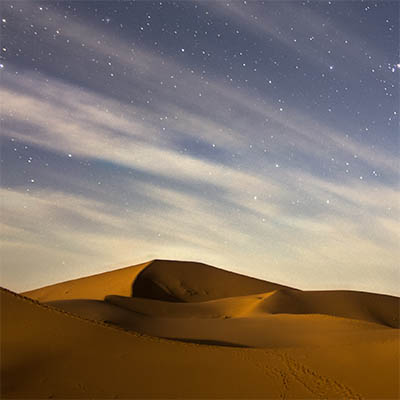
pixel 231 230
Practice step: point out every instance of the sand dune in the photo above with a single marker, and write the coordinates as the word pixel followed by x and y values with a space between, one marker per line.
pixel 232 336
pixel 226 323
pixel 47 353
pixel 160 280
pixel 377 308
pixel 371 307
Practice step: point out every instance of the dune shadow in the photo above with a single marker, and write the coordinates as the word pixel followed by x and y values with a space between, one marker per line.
pixel 145 286
pixel 207 342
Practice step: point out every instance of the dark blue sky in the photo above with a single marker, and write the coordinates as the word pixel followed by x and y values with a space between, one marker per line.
pixel 260 137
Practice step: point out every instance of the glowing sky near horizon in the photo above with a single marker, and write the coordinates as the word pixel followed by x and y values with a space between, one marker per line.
pixel 260 137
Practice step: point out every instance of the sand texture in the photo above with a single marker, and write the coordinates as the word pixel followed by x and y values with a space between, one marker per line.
pixel 169 329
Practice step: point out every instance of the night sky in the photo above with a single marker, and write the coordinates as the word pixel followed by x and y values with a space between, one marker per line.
pixel 259 137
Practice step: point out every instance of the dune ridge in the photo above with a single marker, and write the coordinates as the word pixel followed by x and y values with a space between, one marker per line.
pixel 207 332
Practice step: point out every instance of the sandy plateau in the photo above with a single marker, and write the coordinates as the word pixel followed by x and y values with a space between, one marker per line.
pixel 171 329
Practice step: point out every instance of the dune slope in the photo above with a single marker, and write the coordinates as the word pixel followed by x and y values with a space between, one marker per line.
pixel 46 353
pixel 376 308
pixel 94 287
pixel 254 321
pixel 212 324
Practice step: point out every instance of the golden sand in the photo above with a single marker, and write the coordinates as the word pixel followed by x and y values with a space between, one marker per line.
pixel 168 329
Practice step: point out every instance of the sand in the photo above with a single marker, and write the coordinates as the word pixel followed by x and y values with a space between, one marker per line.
pixel 168 329
pixel 160 280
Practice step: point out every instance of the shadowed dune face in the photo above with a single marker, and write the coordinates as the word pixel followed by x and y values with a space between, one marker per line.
pixel 192 282
pixel 223 325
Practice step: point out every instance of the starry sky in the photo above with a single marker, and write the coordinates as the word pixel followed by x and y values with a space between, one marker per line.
pixel 256 136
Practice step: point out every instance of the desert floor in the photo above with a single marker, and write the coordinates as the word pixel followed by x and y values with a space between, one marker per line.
pixel 170 329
